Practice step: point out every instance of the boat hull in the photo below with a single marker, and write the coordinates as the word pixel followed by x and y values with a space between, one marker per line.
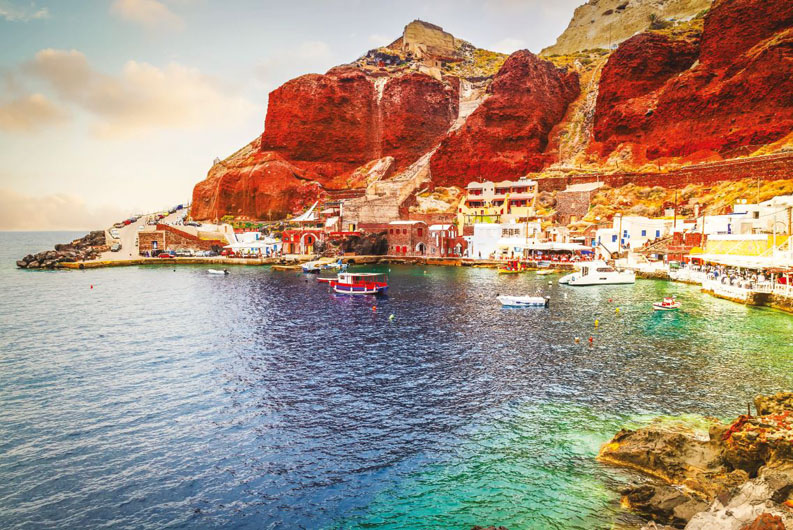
pixel 356 290
pixel 621 279
pixel 660 307
pixel 523 301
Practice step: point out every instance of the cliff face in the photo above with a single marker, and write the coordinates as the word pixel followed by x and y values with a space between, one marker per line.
pixel 322 129
pixel 604 23
pixel 431 109
pixel 662 97
pixel 506 136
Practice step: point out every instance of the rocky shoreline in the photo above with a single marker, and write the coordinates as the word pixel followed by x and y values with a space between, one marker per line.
pixel 85 248
pixel 736 476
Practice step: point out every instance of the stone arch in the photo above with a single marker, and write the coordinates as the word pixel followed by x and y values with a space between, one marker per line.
pixel 421 248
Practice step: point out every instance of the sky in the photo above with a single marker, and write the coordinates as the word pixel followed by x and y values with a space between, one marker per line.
pixel 115 107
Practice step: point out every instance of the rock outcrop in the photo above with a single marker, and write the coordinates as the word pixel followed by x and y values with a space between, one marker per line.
pixel 675 96
pixel 726 478
pixel 507 134
pixel 322 132
pixel 605 23
pixel 86 248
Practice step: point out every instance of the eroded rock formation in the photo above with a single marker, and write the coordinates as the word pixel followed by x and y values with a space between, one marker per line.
pixel 507 135
pixel 604 23
pixel 667 96
pixel 727 478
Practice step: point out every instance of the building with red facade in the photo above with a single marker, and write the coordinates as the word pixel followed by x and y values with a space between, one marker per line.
pixel 408 238
pixel 445 241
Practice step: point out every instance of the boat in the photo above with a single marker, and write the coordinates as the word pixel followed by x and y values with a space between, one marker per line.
pixel 215 271
pixel 360 283
pixel 598 273
pixel 323 264
pixel 523 301
pixel 511 267
pixel 669 304
pixel 545 272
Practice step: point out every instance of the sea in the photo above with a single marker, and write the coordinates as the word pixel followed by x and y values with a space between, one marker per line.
pixel 162 397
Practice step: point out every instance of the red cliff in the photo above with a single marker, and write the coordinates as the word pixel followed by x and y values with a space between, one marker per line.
pixel 506 136
pixel 666 99
pixel 320 129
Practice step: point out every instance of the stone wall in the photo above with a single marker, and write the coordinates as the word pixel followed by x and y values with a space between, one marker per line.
pixel 770 167
pixel 168 237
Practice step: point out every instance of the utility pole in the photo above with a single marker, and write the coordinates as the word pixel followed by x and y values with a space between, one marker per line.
pixel 619 239
pixel 674 222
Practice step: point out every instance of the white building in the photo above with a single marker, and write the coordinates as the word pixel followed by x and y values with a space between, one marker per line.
pixel 502 240
pixel 632 232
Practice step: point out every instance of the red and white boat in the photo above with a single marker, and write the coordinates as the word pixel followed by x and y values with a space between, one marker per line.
pixel 669 304
pixel 356 283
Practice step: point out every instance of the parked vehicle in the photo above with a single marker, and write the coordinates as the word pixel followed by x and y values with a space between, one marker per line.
pixel 165 254
pixel 184 253
pixel 114 234
pixel 115 247
pixel 140 228
pixel 118 225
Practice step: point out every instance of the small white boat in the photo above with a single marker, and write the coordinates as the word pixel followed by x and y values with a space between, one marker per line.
pixel 523 301
pixel 598 273
pixel 545 272
pixel 669 304
pixel 215 271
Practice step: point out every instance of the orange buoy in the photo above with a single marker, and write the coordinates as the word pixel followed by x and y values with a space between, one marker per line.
pixel 374 308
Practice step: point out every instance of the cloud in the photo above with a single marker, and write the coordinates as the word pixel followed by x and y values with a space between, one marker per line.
pixel 149 13
pixel 308 56
pixel 142 97
pixel 379 40
pixel 30 113
pixel 508 45
pixel 52 212
pixel 22 13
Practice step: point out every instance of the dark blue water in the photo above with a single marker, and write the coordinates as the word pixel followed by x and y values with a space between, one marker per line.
pixel 174 398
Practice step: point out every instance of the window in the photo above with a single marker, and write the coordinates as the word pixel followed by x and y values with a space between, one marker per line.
pixel 390 230
pixel 624 233
pixel 657 233
pixel 420 232
pixel 614 239
pixel 405 231
pixel 644 233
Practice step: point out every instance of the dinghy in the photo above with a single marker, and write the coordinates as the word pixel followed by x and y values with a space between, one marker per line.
pixel 215 271
pixel 523 301
pixel 669 304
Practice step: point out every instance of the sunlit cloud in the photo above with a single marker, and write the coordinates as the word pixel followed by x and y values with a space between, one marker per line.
pixel 508 45
pixel 30 113
pixel 149 13
pixel 141 97
pixel 19 211
pixel 19 12
pixel 309 56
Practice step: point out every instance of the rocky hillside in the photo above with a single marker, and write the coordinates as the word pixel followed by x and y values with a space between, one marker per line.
pixel 432 109
pixel 606 23
pixel 724 94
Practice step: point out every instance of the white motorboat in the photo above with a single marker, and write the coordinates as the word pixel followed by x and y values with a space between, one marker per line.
pixel 523 301
pixel 215 271
pixel 598 273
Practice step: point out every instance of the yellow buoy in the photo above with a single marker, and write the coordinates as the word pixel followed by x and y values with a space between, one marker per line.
pixel 597 323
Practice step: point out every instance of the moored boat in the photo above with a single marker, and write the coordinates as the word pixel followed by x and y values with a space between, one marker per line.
pixel 511 267
pixel 668 304
pixel 523 301
pixel 598 273
pixel 215 271
pixel 360 283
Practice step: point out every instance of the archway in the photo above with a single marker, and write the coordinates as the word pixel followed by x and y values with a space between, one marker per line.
pixel 307 243
pixel 421 249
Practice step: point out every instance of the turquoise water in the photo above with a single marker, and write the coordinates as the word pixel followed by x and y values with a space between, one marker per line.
pixel 175 398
